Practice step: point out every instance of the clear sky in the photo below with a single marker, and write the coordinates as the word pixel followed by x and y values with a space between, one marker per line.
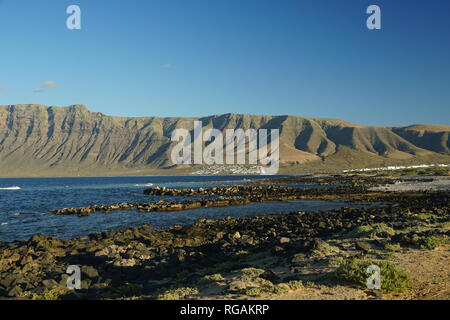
pixel 312 58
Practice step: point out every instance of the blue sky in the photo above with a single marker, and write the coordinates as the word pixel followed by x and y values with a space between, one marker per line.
pixel 312 58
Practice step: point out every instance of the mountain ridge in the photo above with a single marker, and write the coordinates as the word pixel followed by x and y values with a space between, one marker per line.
pixel 39 140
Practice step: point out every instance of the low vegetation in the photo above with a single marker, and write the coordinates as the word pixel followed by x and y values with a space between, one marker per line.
pixel 393 279
pixel 373 231
pixel 176 293
pixel 278 289
pixel 429 243
pixel 53 294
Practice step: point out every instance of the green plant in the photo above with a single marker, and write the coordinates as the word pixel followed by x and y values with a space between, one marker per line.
pixel 278 289
pixel 355 270
pixel 427 242
pixel 212 278
pixel 281 288
pixel 53 294
pixel 176 293
pixel 263 282
pixel 335 262
pixel 393 247
pixel 425 216
pixel 242 253
pixel 295 284
pixel 444 226
pixel 255 292
pixel 376 230
pixel 251 272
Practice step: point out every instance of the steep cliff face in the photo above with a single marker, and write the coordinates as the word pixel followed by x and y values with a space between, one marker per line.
pixel 434 138
pixel 41 140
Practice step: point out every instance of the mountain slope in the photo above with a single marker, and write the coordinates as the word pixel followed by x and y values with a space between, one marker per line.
pixel 37 140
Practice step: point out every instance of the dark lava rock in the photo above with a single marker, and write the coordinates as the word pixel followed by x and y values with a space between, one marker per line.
pixel 50 284
pixel 270 275
pixel 14 292
pixel 89 272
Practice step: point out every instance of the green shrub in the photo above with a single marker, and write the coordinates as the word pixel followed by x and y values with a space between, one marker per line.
pixel 53 294
pixel 176 293
pixel 335 262
pixel 212 278
pixel 295 284
pixel 393 247
pixel 376 230
pixel 355 270
pixel 281 288
pixel 278 289
pixel 252 272
pixel 255 292
pixel 242 253
pixel 263 282
pixel 425 216
pixel 429 243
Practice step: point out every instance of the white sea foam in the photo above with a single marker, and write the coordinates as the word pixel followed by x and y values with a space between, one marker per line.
pixel 144 185
pixel 11 188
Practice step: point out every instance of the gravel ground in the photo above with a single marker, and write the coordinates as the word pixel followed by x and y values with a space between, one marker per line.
pixel 432 183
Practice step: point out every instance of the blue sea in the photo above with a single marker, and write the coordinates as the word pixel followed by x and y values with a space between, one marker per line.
pixel 25 204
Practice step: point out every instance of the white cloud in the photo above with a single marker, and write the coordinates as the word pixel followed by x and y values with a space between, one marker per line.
pixel 167 66
pixel 46 85
pixel 50 84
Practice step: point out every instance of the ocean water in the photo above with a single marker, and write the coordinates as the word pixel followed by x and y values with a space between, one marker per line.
pixel 25 204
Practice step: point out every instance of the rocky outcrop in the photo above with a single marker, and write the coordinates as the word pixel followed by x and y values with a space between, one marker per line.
pixel 215 197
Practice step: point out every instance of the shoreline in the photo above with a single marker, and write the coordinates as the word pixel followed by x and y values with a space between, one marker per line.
pixel 294 255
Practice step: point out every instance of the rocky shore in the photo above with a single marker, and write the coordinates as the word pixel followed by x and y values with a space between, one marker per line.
pixel 217 197
pixel 232 258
